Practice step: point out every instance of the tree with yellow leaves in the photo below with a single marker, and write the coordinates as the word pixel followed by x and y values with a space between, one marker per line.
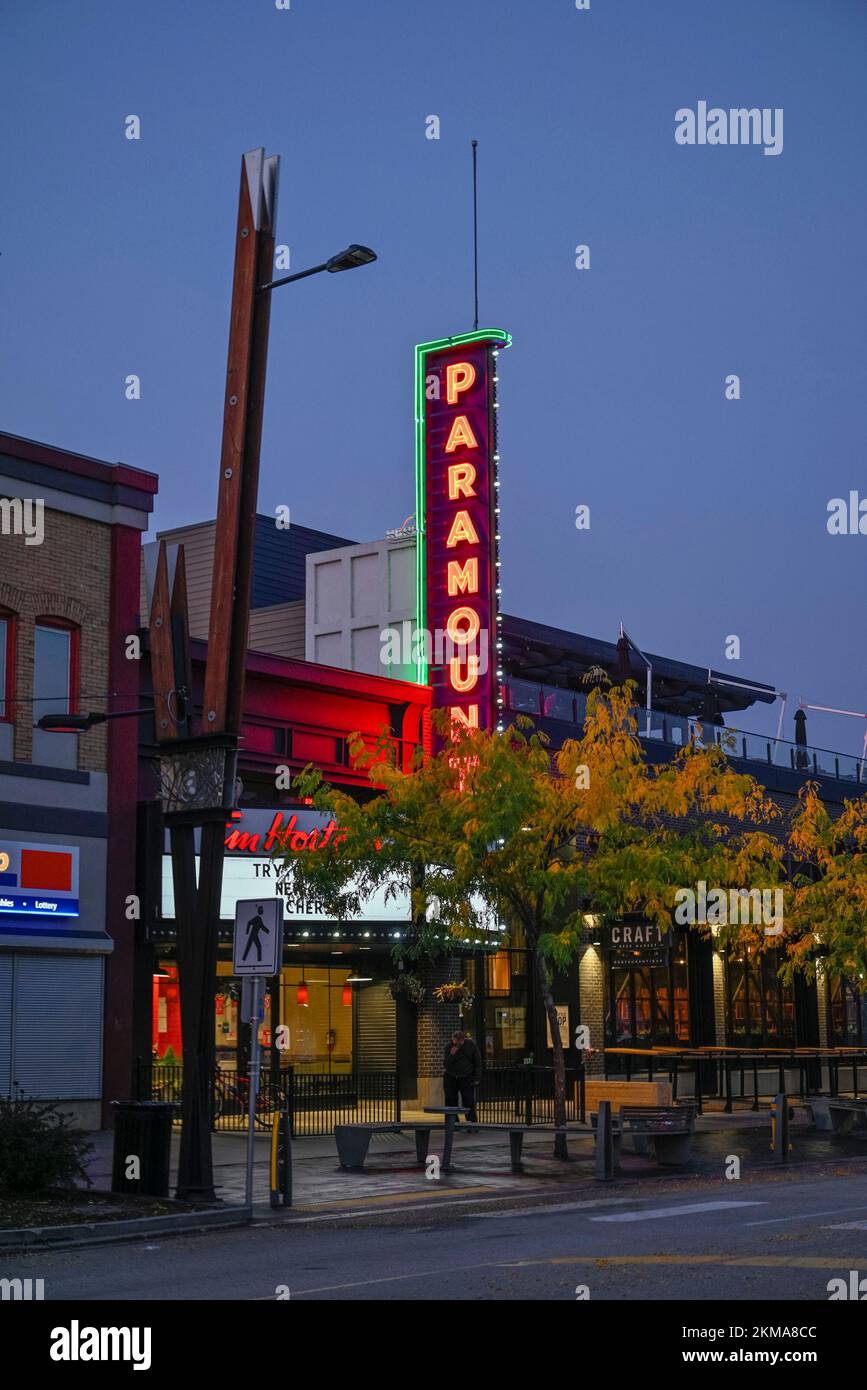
pixel 498 823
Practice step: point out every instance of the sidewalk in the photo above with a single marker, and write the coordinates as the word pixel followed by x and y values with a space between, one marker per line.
pixel 481 1162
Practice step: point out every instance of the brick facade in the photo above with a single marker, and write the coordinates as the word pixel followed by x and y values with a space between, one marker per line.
pixel 591 987
pixel 67 577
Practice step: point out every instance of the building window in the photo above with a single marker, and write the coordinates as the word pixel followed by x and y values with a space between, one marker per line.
pixel 844 1013
pixel 761 1008
pixel 649 999
pixel 55 677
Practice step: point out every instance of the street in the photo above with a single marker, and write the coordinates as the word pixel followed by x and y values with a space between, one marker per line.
pixel 773 1238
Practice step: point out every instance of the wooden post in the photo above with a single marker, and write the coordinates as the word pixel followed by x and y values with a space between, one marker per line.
pixel 197 909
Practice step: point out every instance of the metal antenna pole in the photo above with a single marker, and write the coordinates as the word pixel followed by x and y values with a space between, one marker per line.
pixel 475 235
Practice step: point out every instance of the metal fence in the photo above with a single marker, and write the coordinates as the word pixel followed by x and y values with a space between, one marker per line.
pixel 526 1094
pixel 316 1101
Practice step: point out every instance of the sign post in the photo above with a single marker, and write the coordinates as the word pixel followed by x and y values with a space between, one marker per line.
pixel 257 954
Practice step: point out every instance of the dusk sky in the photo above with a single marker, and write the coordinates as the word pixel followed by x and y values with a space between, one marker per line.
pixel 708 515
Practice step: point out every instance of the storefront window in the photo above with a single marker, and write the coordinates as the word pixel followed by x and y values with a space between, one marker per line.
pixel 505 1007
pixel 649 1003
pixel 844 1009
pixel 761 1007
pixel 316 1008
pixel 166 1019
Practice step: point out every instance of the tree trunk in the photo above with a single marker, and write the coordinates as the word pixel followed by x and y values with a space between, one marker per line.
pixel 560 1146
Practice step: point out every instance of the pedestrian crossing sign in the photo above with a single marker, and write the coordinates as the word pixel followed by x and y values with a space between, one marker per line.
pixel 258 941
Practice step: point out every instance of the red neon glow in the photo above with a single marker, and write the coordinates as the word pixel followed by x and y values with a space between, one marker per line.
pixel 302 996
pixel 460 516
pixel 281 836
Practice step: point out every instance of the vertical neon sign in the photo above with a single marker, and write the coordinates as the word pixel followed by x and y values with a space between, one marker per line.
pixel 457 512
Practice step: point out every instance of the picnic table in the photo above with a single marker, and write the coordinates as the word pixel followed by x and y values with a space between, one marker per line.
pixel 451 1114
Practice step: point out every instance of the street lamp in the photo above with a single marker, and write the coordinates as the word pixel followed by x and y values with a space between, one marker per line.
pixel 353 256
pixel 80 723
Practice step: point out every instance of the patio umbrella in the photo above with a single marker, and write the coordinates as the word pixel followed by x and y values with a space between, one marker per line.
pixel 624 665
pixel 710 707
pixel 801 759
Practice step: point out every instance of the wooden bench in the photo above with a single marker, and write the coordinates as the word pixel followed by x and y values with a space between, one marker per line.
pixel 353 1141
pixel 665 1131
pixel 837 1114
pixel 626 1093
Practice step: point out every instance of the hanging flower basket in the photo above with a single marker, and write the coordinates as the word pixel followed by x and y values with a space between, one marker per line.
pixel 454 994
pixel 410 985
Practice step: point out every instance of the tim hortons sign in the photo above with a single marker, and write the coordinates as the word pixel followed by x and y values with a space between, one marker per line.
pixel 457 510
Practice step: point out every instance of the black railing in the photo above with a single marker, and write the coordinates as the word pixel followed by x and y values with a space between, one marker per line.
pixel 507 1094
pixel 760 1073
pixel 316 1101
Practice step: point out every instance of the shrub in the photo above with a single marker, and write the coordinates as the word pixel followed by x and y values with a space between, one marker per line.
pixel 39 1149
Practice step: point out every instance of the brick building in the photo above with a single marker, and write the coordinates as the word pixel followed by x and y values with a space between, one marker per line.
pixel 70 542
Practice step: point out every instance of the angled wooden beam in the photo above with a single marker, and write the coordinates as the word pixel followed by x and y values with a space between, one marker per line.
pixel 239 458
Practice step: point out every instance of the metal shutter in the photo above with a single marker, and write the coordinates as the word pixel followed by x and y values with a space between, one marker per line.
pixel 58 1026
pixel 7 964
pixel 376 1048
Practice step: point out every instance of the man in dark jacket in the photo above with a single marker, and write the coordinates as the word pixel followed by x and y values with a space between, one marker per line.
pixel 462 1070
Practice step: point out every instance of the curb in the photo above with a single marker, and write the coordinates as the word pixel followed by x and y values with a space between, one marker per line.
pixel 105 1232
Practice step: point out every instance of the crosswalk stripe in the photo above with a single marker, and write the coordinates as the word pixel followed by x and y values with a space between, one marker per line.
pixel 688 1210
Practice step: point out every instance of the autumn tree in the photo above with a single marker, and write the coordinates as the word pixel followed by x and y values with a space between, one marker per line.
pixel 502 824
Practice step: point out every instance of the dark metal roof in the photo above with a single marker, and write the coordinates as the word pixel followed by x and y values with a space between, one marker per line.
pixel 537 652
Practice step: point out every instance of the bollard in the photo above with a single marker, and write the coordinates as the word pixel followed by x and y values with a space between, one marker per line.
pixel 281 1160
pixel 780 1117
pixel 606 1166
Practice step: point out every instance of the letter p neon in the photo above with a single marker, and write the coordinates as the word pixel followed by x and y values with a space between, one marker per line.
pixel 459 377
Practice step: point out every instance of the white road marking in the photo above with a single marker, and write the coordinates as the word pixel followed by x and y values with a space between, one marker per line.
pixel 557 1206
pixel 687 1210
pixel 847 1226
pixel 804 1216
pixel 381 1211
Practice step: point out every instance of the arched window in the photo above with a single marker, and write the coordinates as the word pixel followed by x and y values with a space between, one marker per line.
pixel 55 667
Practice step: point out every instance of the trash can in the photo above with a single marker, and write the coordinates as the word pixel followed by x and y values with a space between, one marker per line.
pixel 142 1147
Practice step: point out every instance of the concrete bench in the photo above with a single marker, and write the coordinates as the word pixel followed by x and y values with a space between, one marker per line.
pixel 665 1131
pixel 836 1114
pixel 516 1134
pixel 353 1141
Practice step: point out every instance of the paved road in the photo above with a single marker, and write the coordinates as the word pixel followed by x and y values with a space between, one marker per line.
pixel 774 1237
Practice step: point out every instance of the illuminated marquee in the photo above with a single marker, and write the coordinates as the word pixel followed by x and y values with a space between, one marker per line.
pixel 457 511
pixel 38 880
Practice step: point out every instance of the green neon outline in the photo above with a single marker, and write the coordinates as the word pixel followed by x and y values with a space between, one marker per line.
pixel 494 335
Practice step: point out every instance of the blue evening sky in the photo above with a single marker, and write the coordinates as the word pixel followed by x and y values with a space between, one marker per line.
pixel 708 516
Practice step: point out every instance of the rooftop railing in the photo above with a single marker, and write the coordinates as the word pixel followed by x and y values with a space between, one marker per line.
pixel 677 731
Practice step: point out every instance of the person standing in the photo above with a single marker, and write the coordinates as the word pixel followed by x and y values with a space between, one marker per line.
pixel 462 1071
